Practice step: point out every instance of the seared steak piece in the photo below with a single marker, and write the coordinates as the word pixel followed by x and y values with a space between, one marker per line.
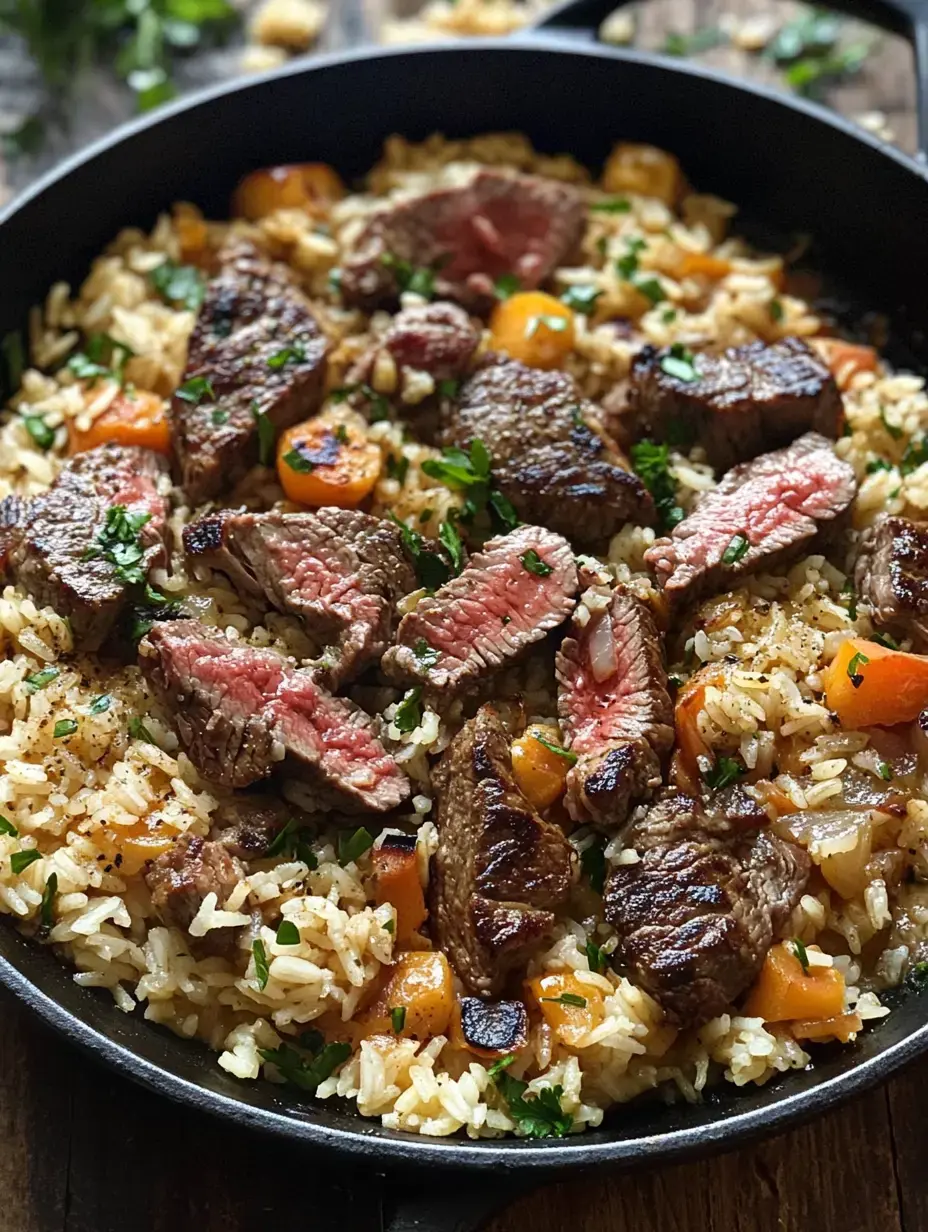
pixel 180 879
pixel 614 704
pixel 511 593
pixel 762 514
pixel 240 712
pixel 247 824
pixel 261 350
pixel 892 573
pixel 550 455
pixel 435 338
pixel 469 232
pixel 747 400
pixel 73 546
pixel 12 515
pixel 699 911
pixel 499 870
pixel 493 1028
pixel 340 570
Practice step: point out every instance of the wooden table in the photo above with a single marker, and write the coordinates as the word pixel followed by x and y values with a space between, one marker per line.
pixel 82 1150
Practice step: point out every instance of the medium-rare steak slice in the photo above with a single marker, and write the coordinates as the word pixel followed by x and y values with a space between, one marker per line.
pixel 762 514
pixel 242 713
pixel 614 704
pixel 81 546
pixel 892 574
pixel 469 231
pixel 698 912
pixel 499 870
pixel 340 570
pixel 512 592
pixel 256 350
pixel 180 879
pixel 549 453
pixel 746 401
pixel 438 338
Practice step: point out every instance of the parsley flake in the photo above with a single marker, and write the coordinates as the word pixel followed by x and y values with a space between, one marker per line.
pixel 568 998
pixel 416 279
pixel 596 957
pixel 893 430
pixel 727 770
pixel 651 464
pixel 736 550
pixel 38 429
pixel 138 730
pixel 181 286
pixel 38 680
pixel 266 435
pixel 883 639
pixel 351 847
pixel 611 205
pixel 424 654
pixel 295 354
pixel 47 906
pixel 581 298
pixel 556 324
pixel 593 865
pixel 262 973
pixel 885 771
pixel 853 674
pixel 7 827
pixel 398 1018
pixel 537 1116
pixel 680 363
pixel 20 860
pixel 408 714
pixel 801 953
pixel 534 564
pixel 292 841
pixel 64 728
pixel 196 390
pixel 559 750
pixel 302 1073
pixel 451 541
pixel 775 310
pixel 287 933
pixel 506 286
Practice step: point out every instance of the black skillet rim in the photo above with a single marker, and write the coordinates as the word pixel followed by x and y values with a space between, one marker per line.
pixel 370 1140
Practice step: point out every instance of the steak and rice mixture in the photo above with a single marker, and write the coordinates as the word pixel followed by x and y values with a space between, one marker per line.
pixel 462 641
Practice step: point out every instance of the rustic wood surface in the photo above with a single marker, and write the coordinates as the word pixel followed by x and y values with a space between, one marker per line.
pixel 82 1150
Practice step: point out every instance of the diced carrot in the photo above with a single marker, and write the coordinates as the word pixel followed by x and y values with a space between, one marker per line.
pixel 416 1000
pixel 703 265
pixel 540 774
pixel 191 231
pixel 313 187
pixel 321 462
pixel 643 169
pixel 867 685
pixel 533 327
pixel 570 1008
pixel 841 1028
pixel 690 700
pixel 138 418
pixel 846 359
pixel 396 881
pixel 783 990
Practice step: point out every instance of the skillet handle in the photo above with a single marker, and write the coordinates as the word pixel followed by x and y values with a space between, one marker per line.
pixel 455 1203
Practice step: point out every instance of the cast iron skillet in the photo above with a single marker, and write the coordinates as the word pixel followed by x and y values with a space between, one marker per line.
pixel 787 163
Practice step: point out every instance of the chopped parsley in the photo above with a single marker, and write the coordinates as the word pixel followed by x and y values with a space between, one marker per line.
pixel 218 417
pixel 736 550
pixel 138 730
pixel 534 564
pixel 38 429
pixel 351 847
pixel 506 285
pixel 104 357
pixel 581 298
pixel 503 1063
pixel 537 1116
pixel 627 265
pixel 292 840
pixel 652 465
pixel 893 430
pixel 409 277
pixel 398 1018
pixel 38 680
pixel 451 541
pixel 20 860
pixel 502 511
pixel 64 727
pixel 857 661
pixel 883 639
pixel 262 974
pixel 118 543
pixel 390 926
pixel 470 472
pixel 650 288
pixel 304 1074
pixel 558 749
pixel 593 864
pixel 556 324
pixel 449 387
pixel 878 464
pixel 397 467
pixel 611 205
pixel 408 714
pixel 775 309
pixel 680 363
pixel 287 933
pixel 801 953
pixel 668 316
pixel 432 569
pixel 916 455
pixel 196 390
pixel 568 998
pixel 851 595
pixel 182 286
pixel 47 907
pixel 266 435
pixel 596 957
pixel 7 827
pixel 298 462
pixel 885 771
pixel 424 654
pixel 379 405
pixel 295 354
pixel 917 978
pixel 727 770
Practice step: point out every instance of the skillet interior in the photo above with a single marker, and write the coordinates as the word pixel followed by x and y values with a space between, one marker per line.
pixel 785 164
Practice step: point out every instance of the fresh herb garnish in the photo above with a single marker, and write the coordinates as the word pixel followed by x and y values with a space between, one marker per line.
pixel 47 906
pixel 851 595
pixel 503 1063
pixel 581 297
pixel 596 957
pixel 537 1116
pixel 118 543
pixel 449 387
pixel 612 205
pixel 652 465
pixel 409 277
pixel 559 750
pixel 408 714
pixel 451 541
pixel 502 511
pixel 302 1073
pixel 801 953
pixel 775 310
pixel 506 285
pixel 398 1018
pixel 727 770
pixel 352 846
pixel 262 973
pixel 568 998
pixel 287 933
pixel 266 435
pixel 390 927
pixel 915 455
pixel 104 357
pixel 917 978
pixel 650 288
pixel 704 39
pixel 138 730
pixel 298 462
pixel 883 639
pixel 556 324
pixel 432 570
pixel 857 661
pixel 680 363
pixel 181 286
pixel 534 564
pixel 424 654
pixel 397 467
pixel 38 680
pixel 379 405
pixel 878 464
pixel 885 771
pixel 893 430
pixel 295 354
pixel 64 727
pixel 20 860
pixel 627 265
pixel 736 550
pixel 7 827
pixel 196 390
pixel 593 864
pixel 292 841
pixel 668 316
pixel 38 429
pixel 218 417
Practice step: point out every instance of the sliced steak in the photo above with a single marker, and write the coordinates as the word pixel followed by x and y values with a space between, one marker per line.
pixel 13 511
pixel 747 400
pixel 892 574
pixel 763 514
pixel 247 824
pixel 615 707
pixel 697 914
pixel 242 713
pixel 513 592
pixel 550 454
pixel 180 879
pixel 438 338
pixel 340 571
pixel 260 348
pixel 73 546
pixel 469 231
pixel 499 870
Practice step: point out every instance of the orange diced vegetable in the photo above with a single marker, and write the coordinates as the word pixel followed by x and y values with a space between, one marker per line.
pixel 643 169
pixel 533 327
pixel 783 990
pixel 690 700
pixel 137 843
pixel 396 874
pixel 703 265
pixel 139 418
pixel 841 1028
pixel 846 359
pixel 313 187
pixel 867 684
pixel 321 462
pixel 418 983
pixel 191 231
pixel 570 1008
pixel 540 774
